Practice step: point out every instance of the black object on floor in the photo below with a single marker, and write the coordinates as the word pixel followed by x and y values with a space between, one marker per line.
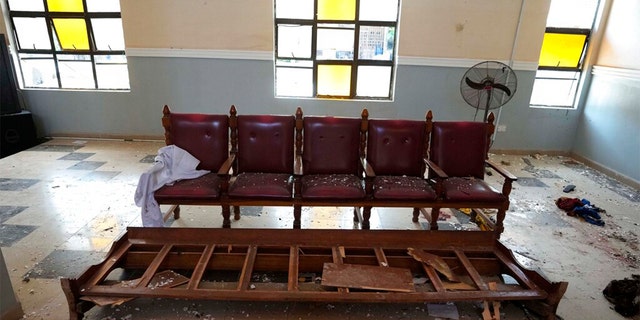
pixel 18 133
pixel 625 295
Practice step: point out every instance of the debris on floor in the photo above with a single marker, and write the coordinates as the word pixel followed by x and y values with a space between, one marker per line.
pixel 576 207
pixel 625 295
pixel 443 310
pixel 435 261
pixel 491 310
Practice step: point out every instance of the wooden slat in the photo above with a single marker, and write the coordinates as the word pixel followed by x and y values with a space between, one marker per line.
pixel 473 273
pixel 516 272
pixel 338 253
pixel 107 266
pixel 293 268
pixel 247 269
pixel 382 258
pixel 433 277
pixel 154 265
pixel 201 266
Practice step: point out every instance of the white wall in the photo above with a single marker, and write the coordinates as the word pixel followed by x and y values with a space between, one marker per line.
pixel 608 129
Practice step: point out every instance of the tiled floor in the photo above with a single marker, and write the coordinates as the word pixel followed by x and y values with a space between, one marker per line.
pixel 62 204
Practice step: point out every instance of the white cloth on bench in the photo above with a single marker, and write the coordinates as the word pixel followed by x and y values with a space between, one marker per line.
pixel 171 164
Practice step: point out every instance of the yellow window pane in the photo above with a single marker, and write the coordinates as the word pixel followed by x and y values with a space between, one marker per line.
pixel 334 80
pixel 337 10
pixel 65 5
pixel 562 50
pixel 72 34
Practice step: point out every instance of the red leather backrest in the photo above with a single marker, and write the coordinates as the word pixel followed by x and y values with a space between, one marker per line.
pixel 265 143
pixel 331 145
pixel 205 136
pixel 396 147
pixel 459 148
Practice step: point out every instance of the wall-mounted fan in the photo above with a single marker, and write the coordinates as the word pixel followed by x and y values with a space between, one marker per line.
pixel 488 85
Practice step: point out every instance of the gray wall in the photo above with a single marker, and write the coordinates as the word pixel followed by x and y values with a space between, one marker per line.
pixel 213 85
pixel 609 127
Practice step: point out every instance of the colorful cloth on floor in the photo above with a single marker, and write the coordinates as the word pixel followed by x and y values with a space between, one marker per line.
pixel 581 208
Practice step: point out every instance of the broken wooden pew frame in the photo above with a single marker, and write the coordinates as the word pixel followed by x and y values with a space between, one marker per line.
pixel 203 255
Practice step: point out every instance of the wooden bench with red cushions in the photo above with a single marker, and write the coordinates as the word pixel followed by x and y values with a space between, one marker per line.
pixel 298 161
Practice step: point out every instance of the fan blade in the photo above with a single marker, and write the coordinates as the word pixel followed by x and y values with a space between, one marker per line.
pixel 502 87
pixel 474 85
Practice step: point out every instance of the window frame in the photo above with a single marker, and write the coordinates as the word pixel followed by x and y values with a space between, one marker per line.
pixel 585 45
pixel 562 70
pixel 593 32
pixel 54 39
pixel 354 63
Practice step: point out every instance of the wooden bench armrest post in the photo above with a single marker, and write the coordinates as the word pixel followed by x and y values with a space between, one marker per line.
pixel 503 172
pixel 509 178
pixel 435 169
pixel 369 175
pixel 225 172
pixel 440 176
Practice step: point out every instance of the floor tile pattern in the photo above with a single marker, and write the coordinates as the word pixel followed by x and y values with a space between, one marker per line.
pixel 16 184
pixel 65 201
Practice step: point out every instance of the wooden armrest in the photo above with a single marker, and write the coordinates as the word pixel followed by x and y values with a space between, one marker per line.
pixel 436 169
pixel 297 166
pixel 226 166
pixel 506 174
pixel 368 169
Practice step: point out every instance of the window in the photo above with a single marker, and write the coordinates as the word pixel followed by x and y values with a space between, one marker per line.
pixel 69 44
pixel 342 49
pixel 564 47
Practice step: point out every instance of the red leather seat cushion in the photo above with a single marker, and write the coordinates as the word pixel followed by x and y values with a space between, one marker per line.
pixel 332 186
pixel 471 189
pixel 399 188
pixel 206 187
pixel 262 185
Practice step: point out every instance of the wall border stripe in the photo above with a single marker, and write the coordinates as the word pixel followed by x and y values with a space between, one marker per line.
pixel 268 55
pixel 626 74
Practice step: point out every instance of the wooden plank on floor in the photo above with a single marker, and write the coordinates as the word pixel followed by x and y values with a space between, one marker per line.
pixel 367 277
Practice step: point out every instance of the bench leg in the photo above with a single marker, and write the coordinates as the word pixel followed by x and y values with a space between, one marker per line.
pixel 366 215
pixel 433 224
pixel 297 213
pixel 416 214
pixel 77 307
pixel 236 213
pixel 499 222
pixel 176 213
pixel 226 217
